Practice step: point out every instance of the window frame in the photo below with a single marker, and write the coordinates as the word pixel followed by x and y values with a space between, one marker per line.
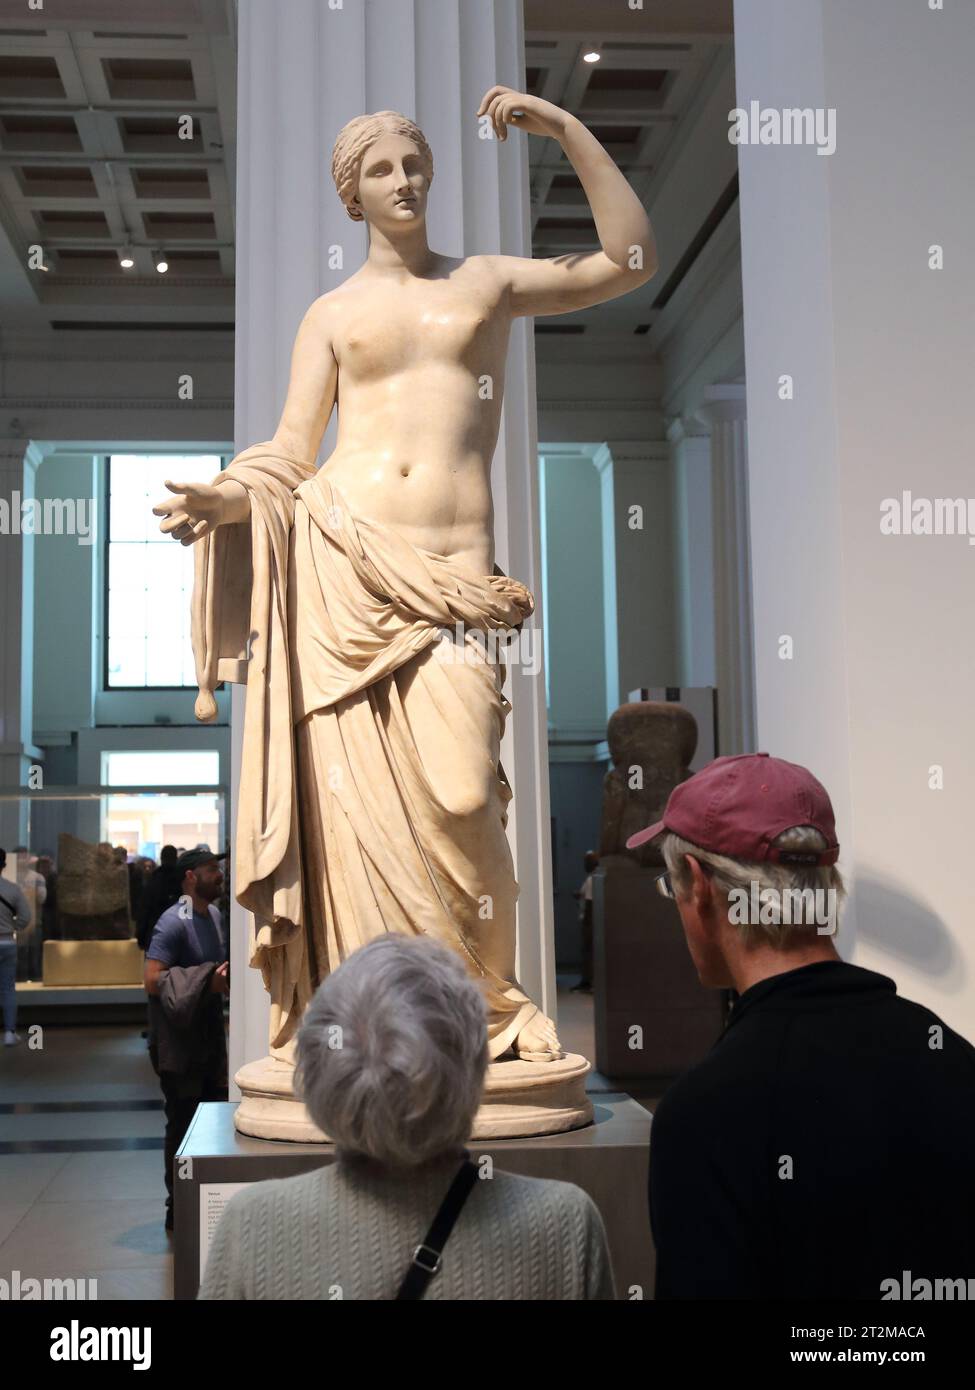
pixel 106 686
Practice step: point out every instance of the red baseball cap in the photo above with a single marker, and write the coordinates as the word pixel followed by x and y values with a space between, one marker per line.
pixel 737 805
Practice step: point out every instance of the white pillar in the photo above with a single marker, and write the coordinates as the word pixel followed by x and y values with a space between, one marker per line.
pixel 638 533
pixel 305 68
pixel 848 297
pixel 18 467
pixel 604 464
pixel 690 457
pixel 724 411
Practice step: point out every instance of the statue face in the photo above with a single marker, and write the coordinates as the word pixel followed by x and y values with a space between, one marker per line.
pixel 393 183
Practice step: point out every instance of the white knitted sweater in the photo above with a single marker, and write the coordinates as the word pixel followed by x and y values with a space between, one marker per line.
pixel 348 1231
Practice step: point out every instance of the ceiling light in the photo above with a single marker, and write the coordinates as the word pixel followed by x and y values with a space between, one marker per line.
pixel 126 258
pixel 592 57
pixel 162 265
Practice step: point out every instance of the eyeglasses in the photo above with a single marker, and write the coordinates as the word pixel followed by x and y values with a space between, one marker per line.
pixel 665 886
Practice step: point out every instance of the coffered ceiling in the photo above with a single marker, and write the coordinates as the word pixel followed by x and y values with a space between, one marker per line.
pixel 117 127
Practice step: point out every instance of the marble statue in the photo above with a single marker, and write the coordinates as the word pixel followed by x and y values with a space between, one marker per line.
pixel 355 597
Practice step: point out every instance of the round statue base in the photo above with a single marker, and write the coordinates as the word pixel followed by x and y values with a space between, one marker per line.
pixel 521 1100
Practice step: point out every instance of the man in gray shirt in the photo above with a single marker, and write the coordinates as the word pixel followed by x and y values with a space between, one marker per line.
pixel 14 916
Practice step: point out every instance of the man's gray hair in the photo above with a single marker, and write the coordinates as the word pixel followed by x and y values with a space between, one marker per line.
pixel 392 1052
pixel 738 876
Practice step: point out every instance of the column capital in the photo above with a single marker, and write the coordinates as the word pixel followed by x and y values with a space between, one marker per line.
pixel 21 458
pixel 687 426
pixel 723 403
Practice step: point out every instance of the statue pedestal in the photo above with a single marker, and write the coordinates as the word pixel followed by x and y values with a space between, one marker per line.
pixel 607 1158
pixel 521 1100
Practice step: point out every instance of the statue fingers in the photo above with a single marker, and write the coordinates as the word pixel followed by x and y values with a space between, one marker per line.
pixel 490 95
pixel 195 533
pixel 494 116
pixel 174 521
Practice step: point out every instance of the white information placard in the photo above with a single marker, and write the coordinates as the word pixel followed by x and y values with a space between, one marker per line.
pixel 214 1196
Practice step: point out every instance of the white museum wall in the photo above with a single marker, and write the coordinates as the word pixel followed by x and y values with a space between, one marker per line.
pixel 70 386
pixel 839 295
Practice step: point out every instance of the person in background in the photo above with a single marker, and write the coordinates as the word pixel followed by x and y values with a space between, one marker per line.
pixel 161 890
pixel 14 917
pixel 824 1148
pixel 137 880
pixel 49 917
pixel 398 1095
pixel 584 897
pixel 30 943
pixel 187 979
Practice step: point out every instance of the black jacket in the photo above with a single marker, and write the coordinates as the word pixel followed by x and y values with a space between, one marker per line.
pixel 186 1029
pixel 825 1144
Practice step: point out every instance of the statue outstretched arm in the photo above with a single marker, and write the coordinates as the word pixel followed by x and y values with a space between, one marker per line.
pixel 628 254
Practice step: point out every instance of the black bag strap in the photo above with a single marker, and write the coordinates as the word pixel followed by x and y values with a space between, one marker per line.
pixel 428 1256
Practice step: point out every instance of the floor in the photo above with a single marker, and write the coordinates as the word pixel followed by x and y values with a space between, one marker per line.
pixel 81 1181
pixel 81 1138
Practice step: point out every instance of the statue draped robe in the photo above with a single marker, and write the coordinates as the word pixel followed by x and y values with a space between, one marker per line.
pixel 371 795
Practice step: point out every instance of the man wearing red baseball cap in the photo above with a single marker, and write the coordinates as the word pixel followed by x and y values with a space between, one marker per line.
pixel 825 1145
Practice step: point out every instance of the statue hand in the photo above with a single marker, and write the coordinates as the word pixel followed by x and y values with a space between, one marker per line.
pixel 532 114
pixel 194 511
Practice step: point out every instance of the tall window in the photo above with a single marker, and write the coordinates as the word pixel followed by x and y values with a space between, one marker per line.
pixel 145 821
pixel 149 576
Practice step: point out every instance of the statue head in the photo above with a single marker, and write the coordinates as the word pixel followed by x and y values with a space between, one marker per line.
pixel 374 159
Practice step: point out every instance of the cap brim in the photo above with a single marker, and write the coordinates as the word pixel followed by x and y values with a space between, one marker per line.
pixel 642 836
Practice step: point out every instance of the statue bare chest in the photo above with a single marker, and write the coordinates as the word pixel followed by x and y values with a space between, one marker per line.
pixel 393 334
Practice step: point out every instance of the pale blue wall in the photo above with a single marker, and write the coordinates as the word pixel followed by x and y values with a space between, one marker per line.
pixel 573 620
pixel 63 597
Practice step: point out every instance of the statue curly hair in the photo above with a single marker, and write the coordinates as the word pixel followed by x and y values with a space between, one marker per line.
pixel 355 138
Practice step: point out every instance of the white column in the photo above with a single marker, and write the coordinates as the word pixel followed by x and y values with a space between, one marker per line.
pixel 690 457
pixel 604 464
pixel 18 466
pixel 638 525
pixel 859 303
pixel 724 411
pixel 305 68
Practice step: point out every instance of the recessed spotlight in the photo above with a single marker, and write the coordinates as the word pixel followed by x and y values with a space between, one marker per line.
pixel 162 265
pixel 126 258
pixel 592 57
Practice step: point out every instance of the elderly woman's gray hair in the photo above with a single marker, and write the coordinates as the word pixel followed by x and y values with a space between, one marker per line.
pixel 392 1052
